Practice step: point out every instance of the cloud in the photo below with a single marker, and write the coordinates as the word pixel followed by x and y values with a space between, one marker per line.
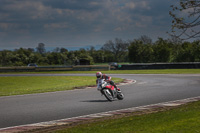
pixel 130 5
pixel 139 5
pixel 24 10
pixel 7 26
pixel 63 21
pixel 56 25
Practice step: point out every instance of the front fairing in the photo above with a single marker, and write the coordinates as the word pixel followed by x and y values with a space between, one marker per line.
pixel 110 87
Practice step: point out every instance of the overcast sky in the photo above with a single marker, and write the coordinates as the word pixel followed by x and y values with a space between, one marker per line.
pixel 79 23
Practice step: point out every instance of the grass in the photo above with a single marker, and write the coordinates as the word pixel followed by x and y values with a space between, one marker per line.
pixel 40 84
pixel 155 71
pixel 184 119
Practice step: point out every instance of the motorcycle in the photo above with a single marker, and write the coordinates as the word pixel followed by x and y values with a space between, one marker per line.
pixel 109 91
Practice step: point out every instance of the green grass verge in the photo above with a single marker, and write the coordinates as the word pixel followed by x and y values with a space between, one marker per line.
pixel 157 71
pixel 40 84
pixel 184 119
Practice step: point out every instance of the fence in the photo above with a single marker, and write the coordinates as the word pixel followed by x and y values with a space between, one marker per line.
pixel 62 68
pixel 140 66
pixel 137 66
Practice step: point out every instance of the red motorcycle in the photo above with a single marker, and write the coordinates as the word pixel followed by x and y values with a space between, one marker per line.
pixel 109 91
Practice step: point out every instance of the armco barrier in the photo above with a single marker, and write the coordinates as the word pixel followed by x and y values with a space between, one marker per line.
pixel 63 68
pixel 140 66
pixel 17 69
pixel 91 68
pixel 137 66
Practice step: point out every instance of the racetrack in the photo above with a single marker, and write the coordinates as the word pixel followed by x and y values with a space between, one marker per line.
pixel 148 89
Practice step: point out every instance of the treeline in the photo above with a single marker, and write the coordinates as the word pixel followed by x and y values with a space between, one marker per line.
pixel 164 51
pixel 141 50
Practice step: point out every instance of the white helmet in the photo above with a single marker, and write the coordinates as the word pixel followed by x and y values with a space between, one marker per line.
pixel 99 74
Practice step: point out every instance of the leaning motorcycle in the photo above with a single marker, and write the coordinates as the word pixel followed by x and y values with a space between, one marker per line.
pixel 109 91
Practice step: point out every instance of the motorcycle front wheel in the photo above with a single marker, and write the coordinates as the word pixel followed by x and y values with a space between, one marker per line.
pixel 108 95
pixel 120 96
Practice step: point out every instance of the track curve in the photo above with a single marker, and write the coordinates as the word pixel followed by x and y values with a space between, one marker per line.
pixel 148 89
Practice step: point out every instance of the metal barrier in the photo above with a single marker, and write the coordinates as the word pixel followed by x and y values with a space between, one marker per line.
pixel 56 68
pixel 137 66
pixel 17 69
pixel 91 68
pixel 140 66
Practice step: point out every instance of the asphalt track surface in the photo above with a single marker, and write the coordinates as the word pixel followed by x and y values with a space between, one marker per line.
pixel 148 89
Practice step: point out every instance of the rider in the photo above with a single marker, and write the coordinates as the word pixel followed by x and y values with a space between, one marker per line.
pixel 99 75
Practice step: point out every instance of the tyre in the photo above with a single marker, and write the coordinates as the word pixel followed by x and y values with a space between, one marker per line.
pixel 108 95
pixel 120 96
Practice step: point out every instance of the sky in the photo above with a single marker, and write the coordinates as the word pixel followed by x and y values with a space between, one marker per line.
pixel 81 23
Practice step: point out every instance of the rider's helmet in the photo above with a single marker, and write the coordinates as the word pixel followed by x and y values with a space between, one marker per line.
pixel 99 74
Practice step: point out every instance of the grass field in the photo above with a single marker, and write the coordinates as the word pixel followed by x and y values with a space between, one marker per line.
pixel 184 119
pixel 40 84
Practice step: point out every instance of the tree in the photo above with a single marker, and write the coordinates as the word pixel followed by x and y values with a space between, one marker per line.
pixel 57 49
pixel 97 55
pixel 54 58
pixel 118 48
pixel 41 48
pixel 196 46
pixel 22 57
pixel 162 51
pixel 6 58
pixel 186 26
pixel 189 52
pixel 145 39
pixel 139 52
pixel 83 54
pixel 63 50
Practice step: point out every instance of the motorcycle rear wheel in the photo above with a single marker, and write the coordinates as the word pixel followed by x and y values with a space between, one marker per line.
pixel 120 96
